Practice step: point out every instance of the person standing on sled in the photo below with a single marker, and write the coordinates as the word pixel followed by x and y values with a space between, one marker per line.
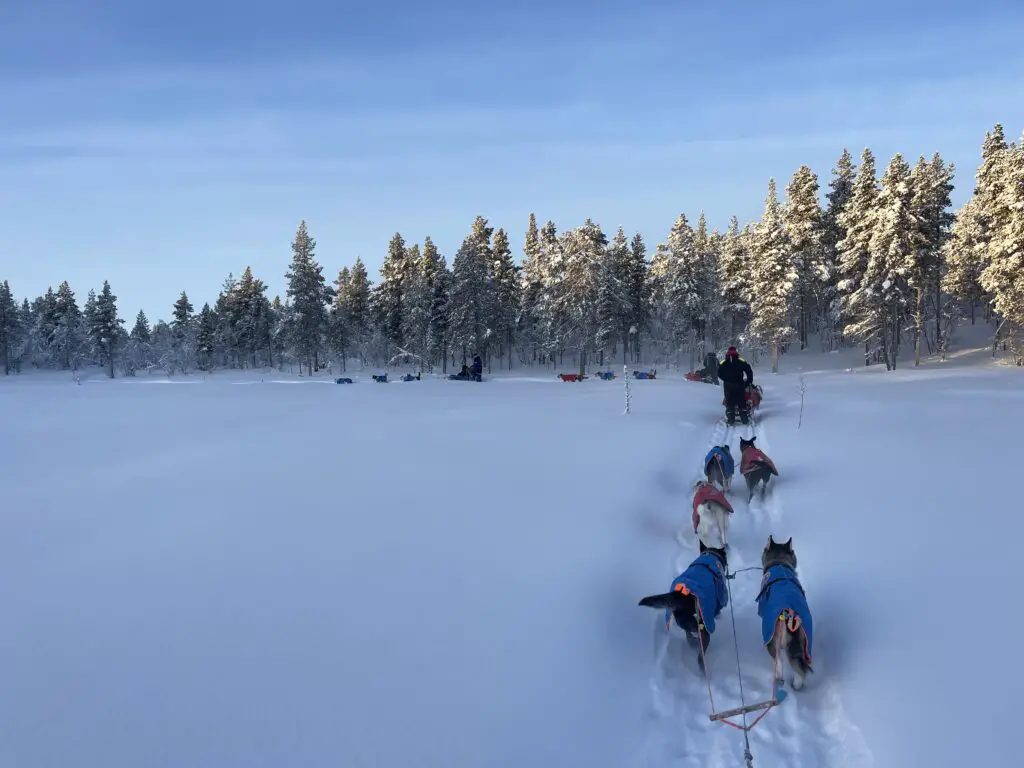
pixel 736 375
pixel 477 370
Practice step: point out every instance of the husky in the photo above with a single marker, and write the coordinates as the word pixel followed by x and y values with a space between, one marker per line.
pixel 711 513
pixel 787 628
pixel 719 467
pixel 756 467
pixel 697 597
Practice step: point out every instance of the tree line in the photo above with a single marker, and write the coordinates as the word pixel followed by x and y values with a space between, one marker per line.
pixel 880 262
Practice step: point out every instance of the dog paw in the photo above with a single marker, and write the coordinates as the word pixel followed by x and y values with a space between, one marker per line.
pixel 798 683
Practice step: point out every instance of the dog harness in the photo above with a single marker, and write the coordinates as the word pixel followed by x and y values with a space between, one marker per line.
pixel 782 597
pixel 709 591
pixel 708 492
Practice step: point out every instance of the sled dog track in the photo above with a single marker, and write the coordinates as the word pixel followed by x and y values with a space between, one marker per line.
pixel 808 730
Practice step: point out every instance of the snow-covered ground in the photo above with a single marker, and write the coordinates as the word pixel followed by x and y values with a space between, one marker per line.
pixel 235 572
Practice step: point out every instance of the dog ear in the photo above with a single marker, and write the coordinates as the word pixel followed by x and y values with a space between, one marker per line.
pixel 789 544
pixel 771 540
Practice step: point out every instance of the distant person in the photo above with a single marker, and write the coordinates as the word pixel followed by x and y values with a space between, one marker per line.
pixel 477 370
pixel 735 374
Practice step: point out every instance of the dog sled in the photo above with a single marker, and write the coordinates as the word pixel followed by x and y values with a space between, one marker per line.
pixel 708 374
pixel 644 375
pixel 572 376
pixel 753 395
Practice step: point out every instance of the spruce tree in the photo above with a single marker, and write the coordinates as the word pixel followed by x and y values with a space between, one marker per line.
pixel 207 326
pixel 856 220
pixel 10 326
pixel 438 333
pixel 840 193
pixel 358 309
pixel 803 220
pixel 931 185
pixel 105 329
pixel 507 293
pixel 309 296
pixel 67 338
pixel 183 340
pixel 390 293
pixel 137 353
pixel 1003 274
pixel 639 293
pixel 895 237
pixel 613 300
pixel 773 280
pixel 469 304
pixel 735 276
pixel 337 320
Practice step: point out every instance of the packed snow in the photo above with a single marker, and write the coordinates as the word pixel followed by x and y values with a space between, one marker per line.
pixel 445 574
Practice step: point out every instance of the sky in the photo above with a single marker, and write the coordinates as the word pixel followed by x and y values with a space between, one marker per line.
pixel 161 146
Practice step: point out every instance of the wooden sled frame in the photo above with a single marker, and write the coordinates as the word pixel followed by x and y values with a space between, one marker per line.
pixel 778 694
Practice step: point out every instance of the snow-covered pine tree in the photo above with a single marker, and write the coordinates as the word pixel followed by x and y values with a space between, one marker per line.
pixel 639 295
pixel 734 276
pixel 338 325
pixel 228 309
pixel 708 246
pixel 803 220
pixel 552 268
pixel 895 237
pixel 529 328
pixel 860 312
pixel 183 329
pixel 614 313
pixel 207 325
pixel 931 186
pixel 250 320
pixel 309 296
pixel 67 340
pixel 137 351
pixel 575 295
pixel 507 294
pixel 88 349
pixel 390 294
pixel 833 232
pixel 105 331
pixel 470 299
pixel 359 310
pixel 10 326
pixel 963 258
pixel 1003 275
pixel 162 344
pixel 773 279
pixel 438 335
pixel 686 288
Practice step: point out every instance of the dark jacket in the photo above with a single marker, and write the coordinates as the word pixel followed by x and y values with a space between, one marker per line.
pixel 733 370
pixel 478 366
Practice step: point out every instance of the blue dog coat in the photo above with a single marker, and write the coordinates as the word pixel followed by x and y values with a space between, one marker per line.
pixel 724 456
pixel 705 580
pixel 780 589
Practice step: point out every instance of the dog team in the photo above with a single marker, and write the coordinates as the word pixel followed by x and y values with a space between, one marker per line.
pixel 698 595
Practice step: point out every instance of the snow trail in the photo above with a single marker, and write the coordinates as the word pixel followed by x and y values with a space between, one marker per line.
pixel 809 729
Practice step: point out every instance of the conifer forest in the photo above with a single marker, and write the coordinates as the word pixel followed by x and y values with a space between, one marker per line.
pixel 873 257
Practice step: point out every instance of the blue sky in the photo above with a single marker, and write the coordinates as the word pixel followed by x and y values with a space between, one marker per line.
pixel 162 146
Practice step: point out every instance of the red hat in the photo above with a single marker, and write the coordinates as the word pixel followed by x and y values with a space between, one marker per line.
pixel 731 351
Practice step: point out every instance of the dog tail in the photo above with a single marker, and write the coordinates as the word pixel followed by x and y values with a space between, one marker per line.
pixel 671 600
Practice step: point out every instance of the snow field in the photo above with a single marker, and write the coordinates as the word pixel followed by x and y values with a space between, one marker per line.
pixel 447 573
pixel 431 574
